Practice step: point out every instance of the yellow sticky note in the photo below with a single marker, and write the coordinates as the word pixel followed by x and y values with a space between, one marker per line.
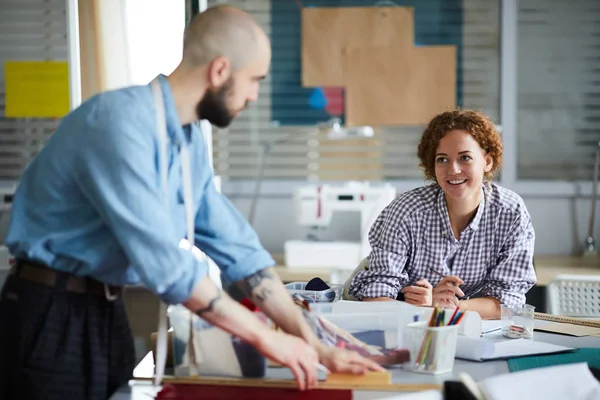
pixel 36 89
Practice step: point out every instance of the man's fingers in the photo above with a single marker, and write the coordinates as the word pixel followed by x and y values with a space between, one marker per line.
pixel 366 363
pixel 297 371
pixel 350 368
pixel 310 373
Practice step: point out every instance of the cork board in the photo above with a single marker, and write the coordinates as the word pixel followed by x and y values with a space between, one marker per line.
pixel 329 32
pixel 398 86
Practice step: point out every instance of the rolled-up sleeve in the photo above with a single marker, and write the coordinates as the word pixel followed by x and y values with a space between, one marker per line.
pixel 118 173
pixel 514 274
pixel 227 237
pixel 385 274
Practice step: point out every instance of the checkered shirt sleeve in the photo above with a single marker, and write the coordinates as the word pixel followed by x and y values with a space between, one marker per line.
pixel 385 275
pixel 513 274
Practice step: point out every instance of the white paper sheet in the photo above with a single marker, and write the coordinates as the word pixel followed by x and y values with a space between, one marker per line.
pixel 424 395
pixel 572 381
pixel 485 349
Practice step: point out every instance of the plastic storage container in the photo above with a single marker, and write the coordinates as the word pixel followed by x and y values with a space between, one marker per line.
pixel 218 352
pixel 330 295
pixel 377 329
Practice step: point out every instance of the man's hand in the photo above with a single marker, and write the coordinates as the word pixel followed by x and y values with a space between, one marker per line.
pixel 216 307
pixel 420 294
pixel 447 292
pixel 293 353
pixel 266 290
pixel 345 361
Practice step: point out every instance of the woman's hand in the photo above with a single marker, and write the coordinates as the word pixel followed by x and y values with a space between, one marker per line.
pixel 447 292
pixel 420 294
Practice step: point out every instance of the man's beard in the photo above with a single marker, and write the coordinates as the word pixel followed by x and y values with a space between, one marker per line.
pixel 213 106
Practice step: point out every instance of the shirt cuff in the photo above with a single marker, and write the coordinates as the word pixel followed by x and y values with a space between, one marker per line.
pixel 182 288
pixel 505 297
pixel 373 290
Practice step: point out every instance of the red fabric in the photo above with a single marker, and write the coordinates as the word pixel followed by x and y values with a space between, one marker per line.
pixel 214 392
pixel 249 304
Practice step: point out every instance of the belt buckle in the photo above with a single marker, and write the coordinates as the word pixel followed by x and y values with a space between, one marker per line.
pixel 109 296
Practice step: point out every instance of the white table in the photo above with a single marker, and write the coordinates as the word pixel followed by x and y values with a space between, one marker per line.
pixel 140 390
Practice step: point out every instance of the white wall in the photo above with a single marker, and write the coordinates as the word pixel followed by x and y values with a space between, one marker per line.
pixel 155 37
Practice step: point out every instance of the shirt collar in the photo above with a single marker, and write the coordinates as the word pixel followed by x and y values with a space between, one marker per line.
pixel 174 129
pixel 474 225
pixel 443 211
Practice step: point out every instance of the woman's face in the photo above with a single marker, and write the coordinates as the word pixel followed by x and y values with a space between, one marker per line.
pixel 460 165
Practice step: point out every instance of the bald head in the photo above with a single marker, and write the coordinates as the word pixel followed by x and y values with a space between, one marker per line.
pixel 223 31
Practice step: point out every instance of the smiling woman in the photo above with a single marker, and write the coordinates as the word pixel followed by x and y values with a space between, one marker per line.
pixel 462 241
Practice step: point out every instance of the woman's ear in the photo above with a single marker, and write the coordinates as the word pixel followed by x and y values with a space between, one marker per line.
pixel 489 163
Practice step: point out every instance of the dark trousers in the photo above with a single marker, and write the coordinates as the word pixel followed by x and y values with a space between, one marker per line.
pixel 59 345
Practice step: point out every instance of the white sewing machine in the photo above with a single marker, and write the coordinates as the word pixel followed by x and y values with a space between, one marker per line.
pixel 314 206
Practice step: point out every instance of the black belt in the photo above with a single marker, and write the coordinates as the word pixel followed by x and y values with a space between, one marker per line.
pixel 47 276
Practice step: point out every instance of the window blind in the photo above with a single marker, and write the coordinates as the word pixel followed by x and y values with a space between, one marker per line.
pixel 472 25
pixel 30 30
pixel 558 89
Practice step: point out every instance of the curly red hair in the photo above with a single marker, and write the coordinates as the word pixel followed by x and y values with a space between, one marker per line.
pixel 476 123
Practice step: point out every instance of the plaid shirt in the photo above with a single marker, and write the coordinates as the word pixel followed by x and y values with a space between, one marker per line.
pixel 493 255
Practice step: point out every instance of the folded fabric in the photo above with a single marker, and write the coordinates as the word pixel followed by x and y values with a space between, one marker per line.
pixel 317 284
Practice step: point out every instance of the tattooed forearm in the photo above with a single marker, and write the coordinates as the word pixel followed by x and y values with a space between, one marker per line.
pixel 257 285
pixel 212 306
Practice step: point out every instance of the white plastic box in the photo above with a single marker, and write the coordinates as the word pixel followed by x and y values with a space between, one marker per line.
pixel 377 329
pixel 333 294
pixel 220 353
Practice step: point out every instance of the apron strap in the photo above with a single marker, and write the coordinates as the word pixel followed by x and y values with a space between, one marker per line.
pixel 186 178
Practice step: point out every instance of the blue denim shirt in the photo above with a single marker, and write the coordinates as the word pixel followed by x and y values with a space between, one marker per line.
pixel 92 202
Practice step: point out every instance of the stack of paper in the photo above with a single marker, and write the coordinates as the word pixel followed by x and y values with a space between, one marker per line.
pixel 478 349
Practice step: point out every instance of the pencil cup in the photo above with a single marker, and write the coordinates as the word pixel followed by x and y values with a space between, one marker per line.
pixel 517 321
pixel 432 349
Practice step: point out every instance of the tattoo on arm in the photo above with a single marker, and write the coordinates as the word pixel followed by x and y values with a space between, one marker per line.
pixel 254 284
pixel 210 307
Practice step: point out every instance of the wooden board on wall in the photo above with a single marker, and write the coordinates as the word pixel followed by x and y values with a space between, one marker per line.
pixel 329 32
pixel 388 85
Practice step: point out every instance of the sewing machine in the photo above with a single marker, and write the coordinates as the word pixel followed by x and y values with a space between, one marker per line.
pixel 314 206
